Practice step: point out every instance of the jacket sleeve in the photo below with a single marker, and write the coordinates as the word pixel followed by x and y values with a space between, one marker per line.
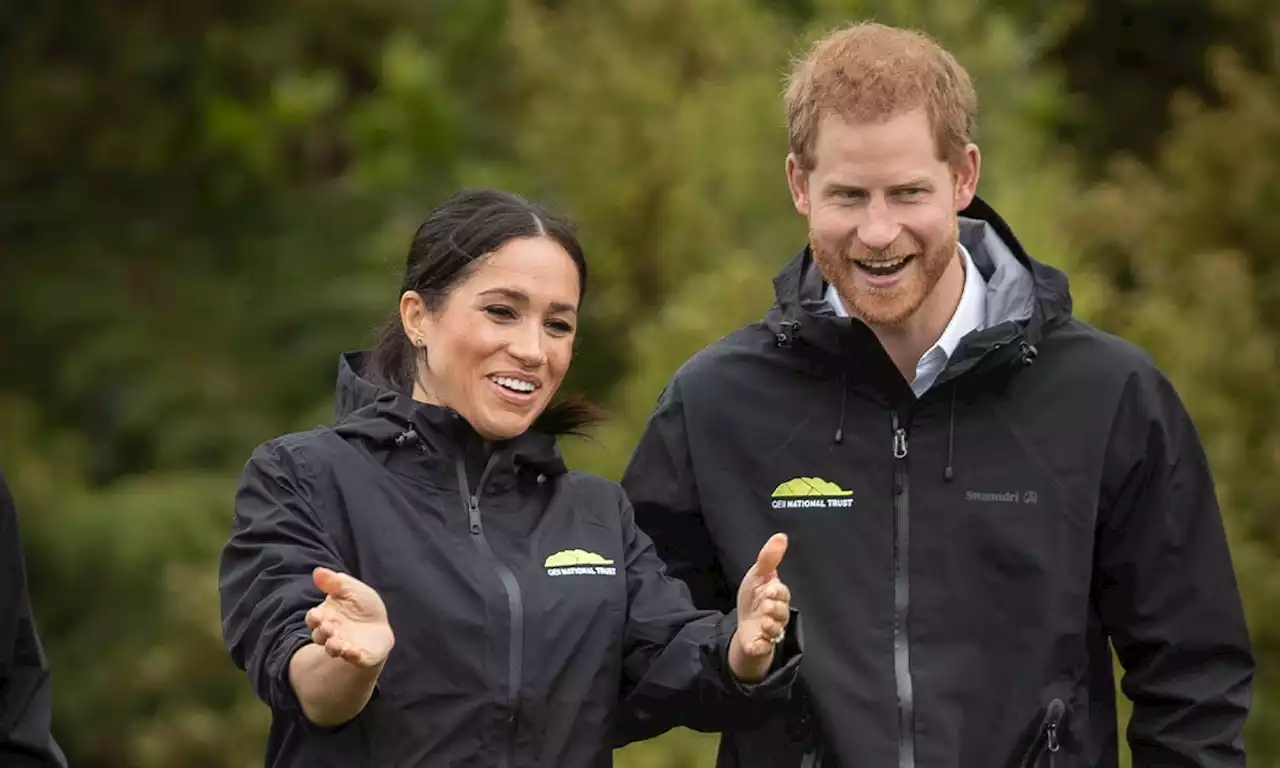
pixel 25 695
pixel 660 483
pixel 1166 589
pixel 264 576
pixel 676 657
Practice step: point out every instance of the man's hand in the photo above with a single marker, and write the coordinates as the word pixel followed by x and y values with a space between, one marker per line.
pixel 351 623
pixel 764 608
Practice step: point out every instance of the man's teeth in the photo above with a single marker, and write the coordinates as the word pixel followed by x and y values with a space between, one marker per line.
pixel 519 385
pixel 885 264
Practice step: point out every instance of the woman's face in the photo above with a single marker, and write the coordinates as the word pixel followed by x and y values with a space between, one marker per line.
pixel 500 345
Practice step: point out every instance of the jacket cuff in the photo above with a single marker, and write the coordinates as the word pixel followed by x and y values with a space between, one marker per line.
pixel 284 699
pixel 281 696
pixel 786 660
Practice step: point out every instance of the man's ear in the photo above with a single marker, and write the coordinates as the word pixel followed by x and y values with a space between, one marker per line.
pixel 966 177
pixel 416 319
pixel 798 183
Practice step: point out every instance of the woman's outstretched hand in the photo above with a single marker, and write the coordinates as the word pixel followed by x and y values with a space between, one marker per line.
pixel 764 608
pixel 352 622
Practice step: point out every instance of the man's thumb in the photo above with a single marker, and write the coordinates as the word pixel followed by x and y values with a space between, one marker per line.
pixel 770 556
pixel 328 581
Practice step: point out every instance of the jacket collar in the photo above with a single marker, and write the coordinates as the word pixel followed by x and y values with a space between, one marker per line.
pixel 365 409
pixel 1025 301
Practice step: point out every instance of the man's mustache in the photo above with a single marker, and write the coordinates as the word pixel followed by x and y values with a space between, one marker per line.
pixel 902 246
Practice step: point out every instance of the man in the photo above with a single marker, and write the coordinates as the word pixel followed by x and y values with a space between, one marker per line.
pixel 25 739
pixel 982 490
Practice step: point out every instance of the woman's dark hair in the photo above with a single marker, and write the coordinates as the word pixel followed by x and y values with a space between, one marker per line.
pixel 456 235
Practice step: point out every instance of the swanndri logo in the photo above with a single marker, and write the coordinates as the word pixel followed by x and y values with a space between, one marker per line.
pixel 578 562
pixel 810 492
pixel 1008 497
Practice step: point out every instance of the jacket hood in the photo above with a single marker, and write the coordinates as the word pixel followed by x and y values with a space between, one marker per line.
pixel 367 410
pixel 1025 299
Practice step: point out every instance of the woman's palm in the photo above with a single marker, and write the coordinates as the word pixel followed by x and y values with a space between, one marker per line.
pixel 352 622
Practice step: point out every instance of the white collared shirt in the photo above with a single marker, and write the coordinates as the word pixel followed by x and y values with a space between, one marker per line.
pixel 970 315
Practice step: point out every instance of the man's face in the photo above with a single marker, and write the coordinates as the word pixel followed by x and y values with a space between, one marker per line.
pixel 882 211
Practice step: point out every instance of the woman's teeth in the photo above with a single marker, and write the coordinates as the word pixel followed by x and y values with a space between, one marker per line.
pixel 516 385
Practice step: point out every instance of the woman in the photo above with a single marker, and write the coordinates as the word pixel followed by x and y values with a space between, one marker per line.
pixel 426 584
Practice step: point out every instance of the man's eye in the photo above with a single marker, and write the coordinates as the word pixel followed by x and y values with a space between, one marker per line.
pixel 499 312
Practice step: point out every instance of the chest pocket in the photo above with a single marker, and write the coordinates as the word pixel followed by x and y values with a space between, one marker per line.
pixel 574 589
pixel 1006 541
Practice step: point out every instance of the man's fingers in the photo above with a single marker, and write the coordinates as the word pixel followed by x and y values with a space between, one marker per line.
pixel 770 556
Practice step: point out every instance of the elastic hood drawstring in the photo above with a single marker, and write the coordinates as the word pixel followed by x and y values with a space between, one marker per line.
pixel 1027 354
pixel 949 472
pixel 844 399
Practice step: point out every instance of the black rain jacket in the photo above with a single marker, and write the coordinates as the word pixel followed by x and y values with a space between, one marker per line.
pixel 25 693
pixel 533 620
pixel 963 559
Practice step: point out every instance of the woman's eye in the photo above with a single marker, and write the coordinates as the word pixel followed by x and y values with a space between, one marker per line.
pixel 560 327
pixel 499 312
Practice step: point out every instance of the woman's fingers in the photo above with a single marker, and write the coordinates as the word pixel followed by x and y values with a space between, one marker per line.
pixel 773 591
pixel 335 647
pixel 321 634
pixel 781 593
pixel 775 610
pixel 770 627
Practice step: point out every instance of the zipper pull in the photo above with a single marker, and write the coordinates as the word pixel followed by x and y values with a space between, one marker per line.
pixel 1052 719
pixel 473 514
pixel 899 439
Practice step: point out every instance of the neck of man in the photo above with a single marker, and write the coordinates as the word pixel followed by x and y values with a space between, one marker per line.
pixel 907 343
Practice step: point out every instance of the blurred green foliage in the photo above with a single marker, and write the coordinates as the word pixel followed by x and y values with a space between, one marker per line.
pixel 201 206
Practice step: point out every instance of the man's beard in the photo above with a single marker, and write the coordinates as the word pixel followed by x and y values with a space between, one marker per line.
pixel 885 307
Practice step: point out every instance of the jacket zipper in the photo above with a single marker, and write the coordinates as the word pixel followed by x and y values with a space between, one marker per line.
pixel 902 600
pixel 471 501
pixel 1052 722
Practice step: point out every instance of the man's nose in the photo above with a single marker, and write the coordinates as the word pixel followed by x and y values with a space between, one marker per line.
pixel 880 228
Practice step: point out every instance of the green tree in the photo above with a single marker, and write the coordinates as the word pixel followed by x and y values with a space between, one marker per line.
pixel 1188 249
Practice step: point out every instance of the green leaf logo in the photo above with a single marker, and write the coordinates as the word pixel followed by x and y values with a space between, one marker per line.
pixel 569 557
pixel 808 486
